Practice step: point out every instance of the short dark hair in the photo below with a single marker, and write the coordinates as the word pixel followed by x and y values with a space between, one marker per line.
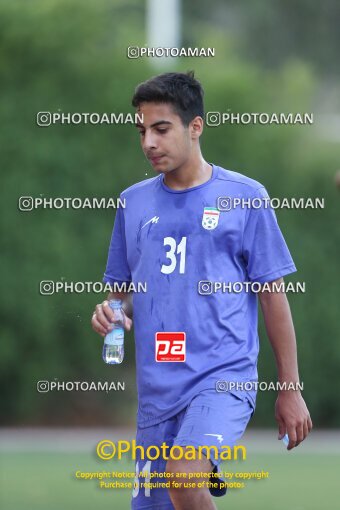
pixel 181 90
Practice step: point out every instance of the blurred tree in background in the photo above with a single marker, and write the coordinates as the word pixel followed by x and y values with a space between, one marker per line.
pixel 272 32
pixel 70 56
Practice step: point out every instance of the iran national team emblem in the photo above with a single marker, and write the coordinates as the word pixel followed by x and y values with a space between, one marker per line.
pixel 210 218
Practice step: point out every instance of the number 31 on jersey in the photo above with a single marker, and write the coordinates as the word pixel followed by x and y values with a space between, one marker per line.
pixel 172 254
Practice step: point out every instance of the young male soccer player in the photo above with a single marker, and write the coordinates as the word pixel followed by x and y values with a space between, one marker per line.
pixel 172 236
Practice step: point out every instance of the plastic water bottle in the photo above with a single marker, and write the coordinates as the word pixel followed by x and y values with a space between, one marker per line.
pixel 113 350
pixel 285 440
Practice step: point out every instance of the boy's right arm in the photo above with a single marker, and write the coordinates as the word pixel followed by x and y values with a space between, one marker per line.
pixel 103 316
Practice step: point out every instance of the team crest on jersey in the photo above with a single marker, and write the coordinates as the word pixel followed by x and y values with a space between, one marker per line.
pixel 210 218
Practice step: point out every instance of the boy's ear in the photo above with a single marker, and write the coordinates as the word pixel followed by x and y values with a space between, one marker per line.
pixel 196 127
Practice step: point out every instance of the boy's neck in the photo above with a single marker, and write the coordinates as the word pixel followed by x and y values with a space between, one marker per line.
pixel 187 176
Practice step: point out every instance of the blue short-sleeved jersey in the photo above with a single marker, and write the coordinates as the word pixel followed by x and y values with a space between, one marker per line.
pixel 172 240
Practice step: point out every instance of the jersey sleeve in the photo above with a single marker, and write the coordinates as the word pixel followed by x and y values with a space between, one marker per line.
pixel 264 250
pixel 117 267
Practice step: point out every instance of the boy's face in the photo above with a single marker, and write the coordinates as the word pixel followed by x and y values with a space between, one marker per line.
pixel 166 143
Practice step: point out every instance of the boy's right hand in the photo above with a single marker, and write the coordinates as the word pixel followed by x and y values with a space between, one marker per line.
pixel 103 319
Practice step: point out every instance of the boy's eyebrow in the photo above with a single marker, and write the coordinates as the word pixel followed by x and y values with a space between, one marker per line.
pixel 139 125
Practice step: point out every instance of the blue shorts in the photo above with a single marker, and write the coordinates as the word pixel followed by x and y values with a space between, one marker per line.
pixel 210 419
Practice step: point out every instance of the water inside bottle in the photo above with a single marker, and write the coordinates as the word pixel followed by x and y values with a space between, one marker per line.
pixel 113 354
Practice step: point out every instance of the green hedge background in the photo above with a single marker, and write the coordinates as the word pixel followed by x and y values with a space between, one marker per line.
pixel 70 55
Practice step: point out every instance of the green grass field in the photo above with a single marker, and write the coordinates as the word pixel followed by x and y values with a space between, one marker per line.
pixel 46 481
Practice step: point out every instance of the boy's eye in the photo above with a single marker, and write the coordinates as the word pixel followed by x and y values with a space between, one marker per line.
pixel 159 130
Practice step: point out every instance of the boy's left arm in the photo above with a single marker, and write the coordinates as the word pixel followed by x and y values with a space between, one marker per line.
pixel 291 412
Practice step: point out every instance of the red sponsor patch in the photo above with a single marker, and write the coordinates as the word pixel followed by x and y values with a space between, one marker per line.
pixel 170 346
